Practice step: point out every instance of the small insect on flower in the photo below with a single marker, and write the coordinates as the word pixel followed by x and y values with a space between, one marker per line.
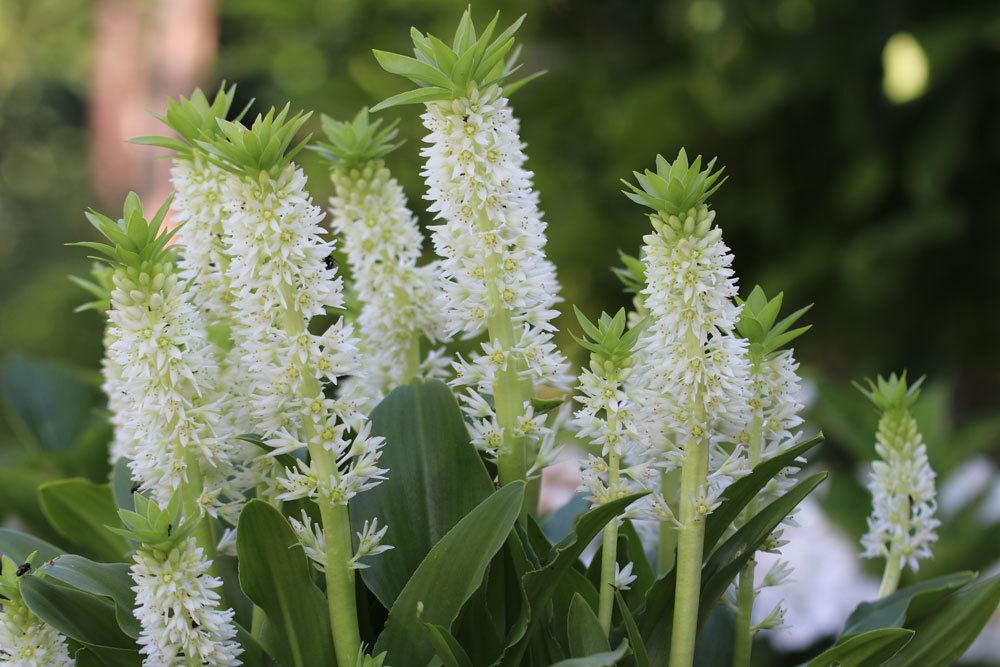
pixel 23 569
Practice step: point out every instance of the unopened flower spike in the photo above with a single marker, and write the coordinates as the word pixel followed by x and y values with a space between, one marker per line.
pixel 444 72
pixel 26 640
pixel 353 143
pixel 902 526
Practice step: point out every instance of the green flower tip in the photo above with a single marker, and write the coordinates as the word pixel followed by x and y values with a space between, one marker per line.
pixel 134 241
pixel 192 119
pixel 11 572
pixel 351 143
pixel 892 392
pixel 153 526
pixel 607 339
pixel 443 72
pixel 759 323
pixel 675 187
pixel 264 147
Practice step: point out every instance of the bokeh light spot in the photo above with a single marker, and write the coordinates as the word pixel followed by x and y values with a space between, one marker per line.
pixel 706 15
pixel 905 68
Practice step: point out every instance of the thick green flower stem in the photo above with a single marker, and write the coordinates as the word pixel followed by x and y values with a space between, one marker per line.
pixel 340 591
pixel 666 545
pixel 891 575
pixel 609 554
pixel 413 358
pixel 510 392
pixel 743 641
pixel 690 547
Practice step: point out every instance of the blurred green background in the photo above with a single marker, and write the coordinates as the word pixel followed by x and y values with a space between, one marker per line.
pixel 862 142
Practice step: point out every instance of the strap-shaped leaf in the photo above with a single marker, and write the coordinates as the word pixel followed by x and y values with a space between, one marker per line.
pixel 437 478
pixel 873 647
pixel 18 546
pixel 448 577
pixel 276 575
pixel 87 618
pixel 109 580
pixel 584 630
pixel 894 610
pixel 598 659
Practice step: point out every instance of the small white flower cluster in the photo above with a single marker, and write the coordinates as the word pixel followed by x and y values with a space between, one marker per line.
pixel 281 280
pixel 313 541
pixel 492 246
pixel 696 373
pixel 26 641
pixel 165 391
pixel 775 399
pixel 399 300
pixel 902 524
pixel 177 608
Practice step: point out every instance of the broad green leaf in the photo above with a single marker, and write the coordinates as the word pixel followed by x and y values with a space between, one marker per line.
pixel 540 585
pixel 447 647
pixel 18 546
pixel 584 630
pixel 437 478
pixel 111 580
pixel 82 616
pixel 632 631
pixel 738 494
pixel 942 637
pixel 448 577
pixel 723 565
pixel 50 405
pixel 656 619
pixel 893 610
pixel 81 511
pixel 872 647
pixel 276 575
pixel 598 659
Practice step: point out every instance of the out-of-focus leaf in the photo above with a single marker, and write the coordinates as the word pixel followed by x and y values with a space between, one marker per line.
pixel 81 511
pixel 584 630
pixel 893 611
pixel 18 546
pixel 872 647
pixel 110 580
pixel 598 659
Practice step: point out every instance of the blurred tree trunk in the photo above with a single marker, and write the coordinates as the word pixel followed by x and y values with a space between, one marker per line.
pixel 144 52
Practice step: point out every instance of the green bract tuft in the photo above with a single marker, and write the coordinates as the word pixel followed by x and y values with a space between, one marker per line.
pixel 607 339
pixel 675 187
pixel 266 146
pixel 135 241
pixel 760 326
pixel 444 72
pixel 99 286
pixel 150 525
pixel 892 392
pixel 192 119
pixel 350 143
pixel 632 273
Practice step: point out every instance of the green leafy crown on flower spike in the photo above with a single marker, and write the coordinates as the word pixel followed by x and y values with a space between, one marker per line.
pixel 760 326
pixel 675 187
pixel 159 528
pixel 99 287
pixel 134 241
pixel 892 392
pixel 607 338
pixel 264 147
pixel 445 72
pixel 193 120
pixel 10 573
pixel 351 143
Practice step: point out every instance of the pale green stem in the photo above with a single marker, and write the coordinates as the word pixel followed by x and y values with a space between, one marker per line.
pixel 743 641
pixel 691 540
pixel 413 358
pixel 891 575
pixel 609 552
pixel 340 590
pixel 510 391
pixel 667 541
pixel 191 491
